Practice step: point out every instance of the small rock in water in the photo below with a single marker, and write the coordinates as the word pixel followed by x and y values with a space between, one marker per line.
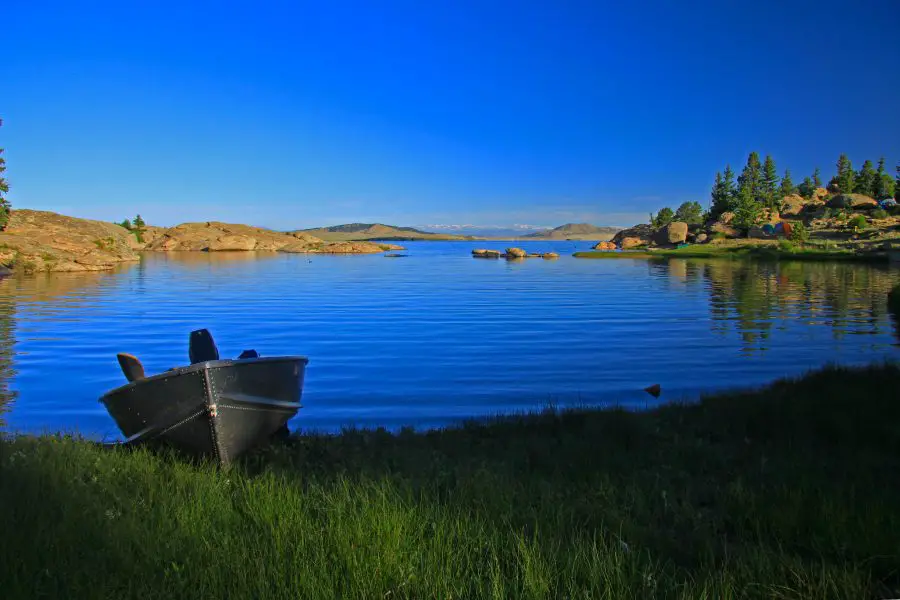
pixel 654 390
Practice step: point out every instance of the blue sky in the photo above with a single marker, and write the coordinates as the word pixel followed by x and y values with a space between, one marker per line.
pixel 295 114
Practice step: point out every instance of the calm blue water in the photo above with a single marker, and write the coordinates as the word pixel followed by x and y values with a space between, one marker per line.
pixel 438 336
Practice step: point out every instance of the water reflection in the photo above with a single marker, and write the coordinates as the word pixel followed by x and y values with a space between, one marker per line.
pixel 758 299
pixel 7 343
pixel 438 336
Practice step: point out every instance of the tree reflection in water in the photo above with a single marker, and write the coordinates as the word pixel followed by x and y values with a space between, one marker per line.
pixel 760 298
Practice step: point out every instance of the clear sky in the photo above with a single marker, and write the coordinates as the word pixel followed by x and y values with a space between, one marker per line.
pixel 295 114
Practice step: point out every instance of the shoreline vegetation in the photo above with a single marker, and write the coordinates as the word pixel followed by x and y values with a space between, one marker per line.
pixel 786 491
pixel 745 251
pixel 764 216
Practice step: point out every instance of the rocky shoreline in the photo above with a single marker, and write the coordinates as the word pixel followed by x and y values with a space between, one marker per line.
pixel 842 221
pixel 37 241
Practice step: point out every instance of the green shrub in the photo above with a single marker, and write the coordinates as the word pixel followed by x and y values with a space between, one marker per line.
pixel 858 222
pixel 799 233
pixel 107 243
pixel 879 213
pixel 786 245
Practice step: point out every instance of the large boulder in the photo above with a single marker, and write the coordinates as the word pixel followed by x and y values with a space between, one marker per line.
pixel 843 201
pixel 516 253
pixel 673 233
pixel 44 241
pixel 632 242
pixel 726 217
pixel 792 205
pixel 862 202
pixel 642 232
pixel 605 246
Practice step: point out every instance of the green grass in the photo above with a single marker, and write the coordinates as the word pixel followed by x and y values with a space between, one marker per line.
pixel 786 492
pixel 767 252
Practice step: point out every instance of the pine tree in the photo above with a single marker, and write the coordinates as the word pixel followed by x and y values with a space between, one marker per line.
pixel 787 186
pixel 747 209
pixel 817 179
pixel 770 184
pixel 138 228
pixel 897 184
pixel 126 224
pixel 663 217
pixel 882 181
pixel 5 208
pixel 690 213
pixel 844 178
pixel 750 180
pixel 807 189
pixel 717 196
pixel 864 182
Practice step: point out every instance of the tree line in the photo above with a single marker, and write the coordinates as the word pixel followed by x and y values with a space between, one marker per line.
pixel 759 187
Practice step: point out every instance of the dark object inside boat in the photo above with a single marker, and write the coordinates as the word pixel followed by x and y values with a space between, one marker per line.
pixel 216 408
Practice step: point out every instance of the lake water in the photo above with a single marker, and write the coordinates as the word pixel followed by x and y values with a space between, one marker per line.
pixel 437 336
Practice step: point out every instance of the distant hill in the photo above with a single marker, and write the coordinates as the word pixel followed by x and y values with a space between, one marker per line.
pixel 376 231
pixel 575 231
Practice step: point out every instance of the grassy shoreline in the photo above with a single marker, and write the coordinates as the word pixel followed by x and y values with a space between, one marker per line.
pixel 767 252
pixel 789 491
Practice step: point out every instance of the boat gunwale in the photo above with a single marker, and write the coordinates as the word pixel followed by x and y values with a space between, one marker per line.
pixel 201 366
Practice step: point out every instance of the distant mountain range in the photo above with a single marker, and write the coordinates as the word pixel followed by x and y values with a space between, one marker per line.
pixel 376 231
pixel 380 231
pixel 576 231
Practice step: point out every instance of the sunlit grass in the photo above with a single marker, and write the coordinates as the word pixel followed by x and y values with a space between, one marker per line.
pixel 764 252
pixel 787 492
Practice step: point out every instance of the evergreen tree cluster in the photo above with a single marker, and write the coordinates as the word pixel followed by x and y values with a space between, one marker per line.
pixel 758 187
pixel 135 226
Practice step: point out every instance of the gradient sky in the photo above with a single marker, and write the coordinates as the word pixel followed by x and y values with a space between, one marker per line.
pixel 296 114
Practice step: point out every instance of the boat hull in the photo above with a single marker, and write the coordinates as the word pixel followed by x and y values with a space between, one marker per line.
pixel 217 409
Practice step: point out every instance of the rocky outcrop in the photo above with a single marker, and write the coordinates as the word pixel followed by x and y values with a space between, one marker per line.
pixel 862 202
pixel 354 248
pixel 45 241
pixel 793 205
pixel 213 236
pixel 481 253
pixel 221 237
pixel 643 233
pixel 673 233
pixel 516 253
pixel 605 246
pixel 632 242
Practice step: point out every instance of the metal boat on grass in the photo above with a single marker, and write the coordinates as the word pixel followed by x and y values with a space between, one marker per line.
pixel 215 408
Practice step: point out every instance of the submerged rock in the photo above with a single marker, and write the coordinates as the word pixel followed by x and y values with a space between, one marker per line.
pixel 486 253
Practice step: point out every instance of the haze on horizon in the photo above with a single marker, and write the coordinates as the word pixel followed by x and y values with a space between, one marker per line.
pixel 290 116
